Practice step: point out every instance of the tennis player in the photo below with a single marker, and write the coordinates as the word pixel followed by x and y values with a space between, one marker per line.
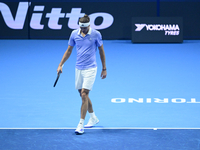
pixel 86 40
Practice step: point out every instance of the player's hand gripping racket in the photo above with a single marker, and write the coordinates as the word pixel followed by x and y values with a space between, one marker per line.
pixel 58 76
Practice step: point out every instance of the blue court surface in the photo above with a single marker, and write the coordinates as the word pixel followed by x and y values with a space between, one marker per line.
pixel 148 86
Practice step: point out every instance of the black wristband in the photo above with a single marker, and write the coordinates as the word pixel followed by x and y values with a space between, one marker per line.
pixel 104 69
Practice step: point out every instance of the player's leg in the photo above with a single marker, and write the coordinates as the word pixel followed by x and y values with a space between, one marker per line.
pixel 84 108
pixel 78 85
pixel 89 79
pixel 85 99
pixel 90 108
pixel 93 118
pixel 86 83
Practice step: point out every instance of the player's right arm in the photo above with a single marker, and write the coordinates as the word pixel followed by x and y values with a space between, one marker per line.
pixel 64 58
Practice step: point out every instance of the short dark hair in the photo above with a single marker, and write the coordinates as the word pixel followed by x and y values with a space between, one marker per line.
pixel 84 19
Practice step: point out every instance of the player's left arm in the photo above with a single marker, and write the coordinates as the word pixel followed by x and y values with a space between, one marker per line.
pixel 103 61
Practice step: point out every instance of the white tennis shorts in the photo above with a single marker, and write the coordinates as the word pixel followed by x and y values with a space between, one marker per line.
pixel 85 78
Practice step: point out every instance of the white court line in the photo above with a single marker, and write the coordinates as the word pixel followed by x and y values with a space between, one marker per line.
pixel 120 128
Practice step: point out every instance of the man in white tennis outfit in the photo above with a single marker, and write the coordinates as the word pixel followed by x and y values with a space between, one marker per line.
pixel 86 40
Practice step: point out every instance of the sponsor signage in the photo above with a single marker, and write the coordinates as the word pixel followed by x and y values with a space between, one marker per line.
pixel 34 17
pixel 157 29
pixel 53 17
pixel 48 20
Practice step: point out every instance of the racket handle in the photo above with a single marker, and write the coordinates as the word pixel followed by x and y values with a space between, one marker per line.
pixel 60 70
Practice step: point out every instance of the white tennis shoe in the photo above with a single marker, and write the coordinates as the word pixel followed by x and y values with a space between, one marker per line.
pixel 79 129
pixel 92 122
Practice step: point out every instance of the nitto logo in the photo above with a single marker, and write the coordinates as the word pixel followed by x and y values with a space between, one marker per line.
pixel 154 100
pixel 54 16
pixel 168 28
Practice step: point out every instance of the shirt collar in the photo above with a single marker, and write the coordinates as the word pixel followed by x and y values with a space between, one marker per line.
pixel 89 32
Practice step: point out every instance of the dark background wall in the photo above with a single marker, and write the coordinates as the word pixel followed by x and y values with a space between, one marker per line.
pixel 121 10
pixel 189 10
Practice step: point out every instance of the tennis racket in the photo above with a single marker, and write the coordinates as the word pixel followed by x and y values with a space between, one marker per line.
pixel 58 76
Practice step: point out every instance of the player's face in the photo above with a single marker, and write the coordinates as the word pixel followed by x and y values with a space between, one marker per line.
pixel 85 29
